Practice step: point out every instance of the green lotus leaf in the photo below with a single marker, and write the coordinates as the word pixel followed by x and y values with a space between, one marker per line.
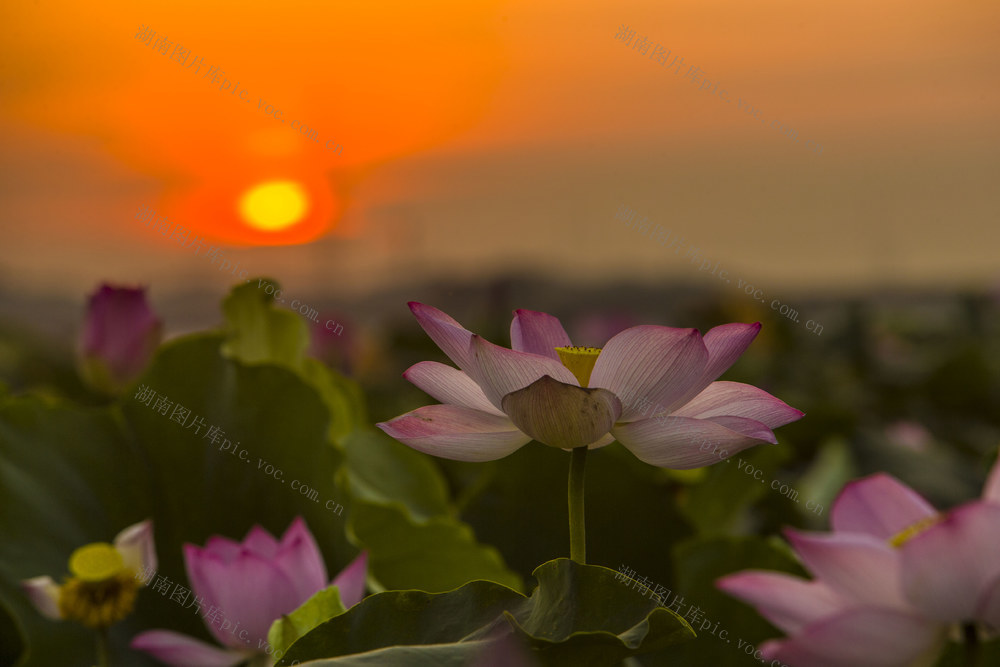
pixel 68 476
pixel 578 614
pixel 381 470
pixel 253 449
pixel 439 655
pixel 825 478
pixel 259 333
pixel 435 555
pixel 11 639
pixel 719 503
pixel 321 607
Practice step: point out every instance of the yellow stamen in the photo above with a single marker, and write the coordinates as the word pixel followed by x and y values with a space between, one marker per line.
pixel 579 360
pixel 96 562
pixel 98 604
pixel 908 533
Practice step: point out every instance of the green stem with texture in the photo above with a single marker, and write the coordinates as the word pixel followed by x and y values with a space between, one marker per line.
pixel 103 648
pixel 577 524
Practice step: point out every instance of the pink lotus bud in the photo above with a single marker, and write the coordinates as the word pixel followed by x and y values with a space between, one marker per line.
pixel 120 334
pixel 244 587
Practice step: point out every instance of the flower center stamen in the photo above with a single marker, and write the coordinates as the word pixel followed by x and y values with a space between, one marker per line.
pixel 98 604
pixel 96 562
pixel 579 360
pixel 908 533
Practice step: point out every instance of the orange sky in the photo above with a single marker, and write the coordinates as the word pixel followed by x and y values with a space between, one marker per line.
pixel 187 102
pixel 479 136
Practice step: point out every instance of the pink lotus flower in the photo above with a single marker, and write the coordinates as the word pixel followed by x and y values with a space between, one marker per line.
pixel 120 335
pixel 650 387
pixel 251 584
pixel 892 582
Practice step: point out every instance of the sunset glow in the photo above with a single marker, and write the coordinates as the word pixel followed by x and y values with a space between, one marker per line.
pixel 237 119
pixel 274 206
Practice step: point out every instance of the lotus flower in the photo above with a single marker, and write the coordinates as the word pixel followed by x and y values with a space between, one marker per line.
pixel 251 584
pixel 120 335
pixel 893 581
pixel 650 387
pixel 103 585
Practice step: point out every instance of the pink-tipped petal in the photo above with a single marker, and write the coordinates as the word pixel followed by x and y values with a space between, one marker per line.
pixel 500 371
pixel 250 589
pixel 949 566
pixel 449 385
pixel 351 580
pixel 682 442
pixel 261 542
pixel 538 333
pixel 788 602
pixel 454 432
pixel 749 428
pixel 727 343
pixel 448 334
pixel 991 491
pixel 136 546
pixel 878 505
pixel 224 547
pixel 44 594
pixel 299 557
pixel 173 648
pixel 861 637
pixel 771 648
pixel 650 364
pixel 562 415
pixel 736 399
pixel 862 568
pixel 200 585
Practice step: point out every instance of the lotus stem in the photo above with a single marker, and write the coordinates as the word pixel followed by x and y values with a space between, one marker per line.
pixel 103 648
pixel 971 636
pixel 577 523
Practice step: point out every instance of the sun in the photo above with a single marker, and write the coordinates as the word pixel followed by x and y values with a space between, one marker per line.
pixel 274 205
